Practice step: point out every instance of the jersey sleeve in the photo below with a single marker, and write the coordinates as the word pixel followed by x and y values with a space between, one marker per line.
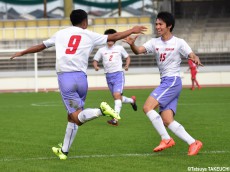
pixel 98 39
pixel 185 49
pixel 124 52
pixel 98 55
pixel 50 42
pixel 149 46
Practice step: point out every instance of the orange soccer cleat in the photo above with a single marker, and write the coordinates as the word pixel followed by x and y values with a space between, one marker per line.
pixel 195 147
pixel 164 144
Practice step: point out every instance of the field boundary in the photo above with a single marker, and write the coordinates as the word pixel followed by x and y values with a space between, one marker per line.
pixel 112 155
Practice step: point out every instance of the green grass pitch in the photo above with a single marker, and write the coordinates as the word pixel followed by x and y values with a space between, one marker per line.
pixel 31 123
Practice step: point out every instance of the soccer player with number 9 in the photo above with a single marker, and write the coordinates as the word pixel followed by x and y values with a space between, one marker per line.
pixel 73 47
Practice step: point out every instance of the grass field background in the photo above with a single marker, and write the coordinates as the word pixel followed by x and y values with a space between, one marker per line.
pixel 31 123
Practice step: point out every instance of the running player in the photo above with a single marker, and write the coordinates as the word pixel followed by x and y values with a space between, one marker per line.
pixel 111 56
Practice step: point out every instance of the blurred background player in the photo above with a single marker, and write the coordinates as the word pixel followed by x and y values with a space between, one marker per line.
pixel 111 56
pixel 193 70
pixel 73 47
pixel 167 50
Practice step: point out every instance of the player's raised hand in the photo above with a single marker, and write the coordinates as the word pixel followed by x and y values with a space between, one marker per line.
pixel 130 39
pixel 139 29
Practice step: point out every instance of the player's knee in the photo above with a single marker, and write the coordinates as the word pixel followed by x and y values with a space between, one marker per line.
pixel 146 109
pixel 117 96
pixel 73 117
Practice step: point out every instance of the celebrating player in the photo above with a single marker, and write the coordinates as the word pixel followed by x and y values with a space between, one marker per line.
pixel 167 50
pixel 73 47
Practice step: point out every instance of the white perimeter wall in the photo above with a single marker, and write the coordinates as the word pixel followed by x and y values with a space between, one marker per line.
pixel 136 77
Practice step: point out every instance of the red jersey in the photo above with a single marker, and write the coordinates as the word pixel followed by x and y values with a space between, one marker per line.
pixel 192 65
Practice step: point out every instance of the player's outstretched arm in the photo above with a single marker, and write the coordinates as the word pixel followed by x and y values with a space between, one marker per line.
pixel 122 35
pixel 33 49
pixel 195 59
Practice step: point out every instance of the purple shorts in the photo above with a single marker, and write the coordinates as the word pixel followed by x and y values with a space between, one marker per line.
pixel 73 88
pixel 167 93
pixel 115 81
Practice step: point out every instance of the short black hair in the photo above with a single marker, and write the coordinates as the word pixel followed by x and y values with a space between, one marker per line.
pixel 77 16
pixel 110 31
pixel 168 18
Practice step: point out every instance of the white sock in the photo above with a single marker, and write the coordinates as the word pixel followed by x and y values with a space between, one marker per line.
pixel 89 114
pixel 158 124
pixel 117 105
pixel 180 132
pixel 126 100
pixel 71 131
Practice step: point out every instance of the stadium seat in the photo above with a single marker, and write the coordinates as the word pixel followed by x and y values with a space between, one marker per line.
pixel 20 33
pixel 122 20
pixel 53 30
pixel 54 22
pixel 42 23
pixel 1 34
pixel 121 28
pixel 65 22
pixel 9 23
pixel 31 33
pixel 145 19
pixel 43 33
pixel 31 23
pixel 20 23
pixel 132 20
pixel 99 29
pixel 110 27
pixel 99 21
pixel 9 34
pixel 110 21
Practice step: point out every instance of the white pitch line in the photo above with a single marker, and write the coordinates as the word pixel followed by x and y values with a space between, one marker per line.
pixel 109 156
pixel 53 104
pixel 49 104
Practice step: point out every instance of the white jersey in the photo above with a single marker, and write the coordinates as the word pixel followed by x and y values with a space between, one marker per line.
pixel 73 48
pixel 111 57
pixel 168 54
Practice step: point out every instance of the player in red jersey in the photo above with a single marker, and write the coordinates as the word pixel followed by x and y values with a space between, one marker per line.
pixel 193 71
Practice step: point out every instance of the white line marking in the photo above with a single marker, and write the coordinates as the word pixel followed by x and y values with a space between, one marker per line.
pixel 110 156
pixel 49 104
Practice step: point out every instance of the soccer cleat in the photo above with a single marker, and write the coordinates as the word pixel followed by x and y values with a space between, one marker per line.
pixel 108 111
pixel 113 122
pixel 164 144
pixel 195 147
pixel 59 153
pixel 134 105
